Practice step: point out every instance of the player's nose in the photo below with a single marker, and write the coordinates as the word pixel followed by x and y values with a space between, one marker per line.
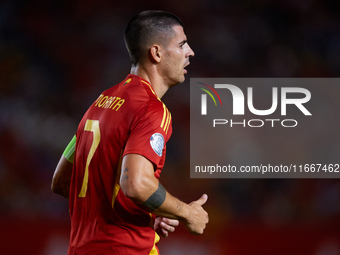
pixel 190 53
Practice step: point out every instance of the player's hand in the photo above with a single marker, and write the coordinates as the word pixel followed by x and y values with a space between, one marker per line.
pixel 198 217
pixel 164 225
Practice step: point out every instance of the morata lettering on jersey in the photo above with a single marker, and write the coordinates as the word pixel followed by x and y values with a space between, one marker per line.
pixel 106 102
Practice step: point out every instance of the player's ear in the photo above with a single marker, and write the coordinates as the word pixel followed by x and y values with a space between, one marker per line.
pixel 155 53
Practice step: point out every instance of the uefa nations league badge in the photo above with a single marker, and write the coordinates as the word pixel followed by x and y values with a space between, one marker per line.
pixel 157 143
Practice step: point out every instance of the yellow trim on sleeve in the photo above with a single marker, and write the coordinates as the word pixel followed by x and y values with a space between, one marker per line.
pixel 168 124
pixel 164 114
pixel 165 122
pixel 117 186
pixel 154 249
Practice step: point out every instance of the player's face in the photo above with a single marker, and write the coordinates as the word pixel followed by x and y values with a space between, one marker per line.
pixel 176 58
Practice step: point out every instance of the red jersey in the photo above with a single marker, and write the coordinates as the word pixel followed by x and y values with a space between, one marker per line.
pixel 127 118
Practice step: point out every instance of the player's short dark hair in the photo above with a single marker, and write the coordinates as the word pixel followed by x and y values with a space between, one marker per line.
pixel 147 28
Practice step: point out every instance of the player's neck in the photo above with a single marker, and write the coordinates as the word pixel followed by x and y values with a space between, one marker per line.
pixel 153 78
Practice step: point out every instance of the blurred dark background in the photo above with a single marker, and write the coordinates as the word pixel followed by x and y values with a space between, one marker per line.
pixel 56 57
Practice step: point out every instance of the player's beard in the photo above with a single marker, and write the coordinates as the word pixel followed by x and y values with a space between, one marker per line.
pixel 174 74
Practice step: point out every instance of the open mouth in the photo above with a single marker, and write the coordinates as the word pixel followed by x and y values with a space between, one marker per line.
pixel 185 71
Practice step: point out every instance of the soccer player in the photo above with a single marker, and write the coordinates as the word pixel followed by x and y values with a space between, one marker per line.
pixel 110 169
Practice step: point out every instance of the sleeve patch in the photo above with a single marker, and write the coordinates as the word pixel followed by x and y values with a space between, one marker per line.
pixel 157 143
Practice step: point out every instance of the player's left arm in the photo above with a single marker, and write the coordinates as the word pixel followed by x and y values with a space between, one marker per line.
pixel 62 175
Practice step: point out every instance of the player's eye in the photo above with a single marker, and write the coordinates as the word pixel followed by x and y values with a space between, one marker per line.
pixel 182 44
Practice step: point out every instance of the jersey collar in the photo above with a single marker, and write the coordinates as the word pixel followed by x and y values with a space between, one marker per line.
pixel 145 82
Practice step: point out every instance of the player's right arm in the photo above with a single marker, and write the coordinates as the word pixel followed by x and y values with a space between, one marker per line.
pixel 139 183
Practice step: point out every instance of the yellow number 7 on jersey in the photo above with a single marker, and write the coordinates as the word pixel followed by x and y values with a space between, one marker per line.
pixel 92 126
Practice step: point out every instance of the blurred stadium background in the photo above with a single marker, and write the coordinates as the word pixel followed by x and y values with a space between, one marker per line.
pixel 56 57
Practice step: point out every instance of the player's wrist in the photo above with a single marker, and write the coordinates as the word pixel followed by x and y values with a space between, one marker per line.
pixel 184 212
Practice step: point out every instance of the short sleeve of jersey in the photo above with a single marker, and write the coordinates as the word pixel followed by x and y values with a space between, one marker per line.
pixel 150 132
